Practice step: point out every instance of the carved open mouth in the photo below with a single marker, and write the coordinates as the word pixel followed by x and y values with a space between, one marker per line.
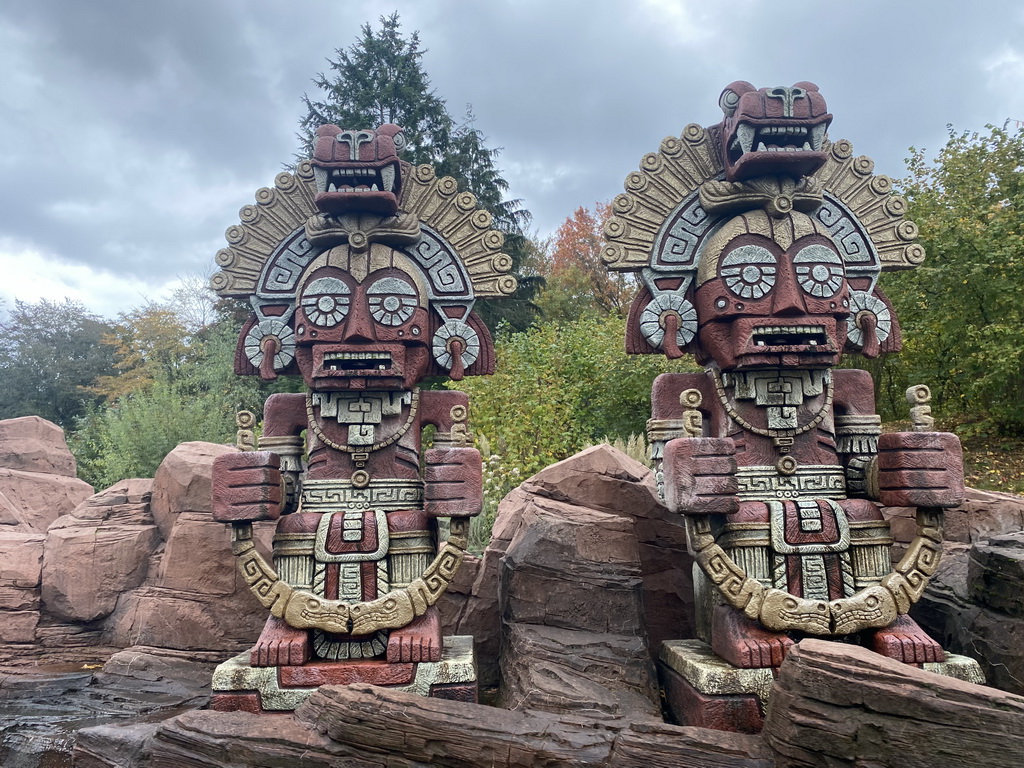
pixel 350 179
pixel 777 138
pixel 809 336
pixel 360 363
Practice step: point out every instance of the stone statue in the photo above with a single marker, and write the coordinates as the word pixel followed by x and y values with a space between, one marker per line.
pixel 759 243
pixel 362 273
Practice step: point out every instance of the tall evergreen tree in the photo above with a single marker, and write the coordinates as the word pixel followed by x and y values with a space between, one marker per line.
pixel 380 79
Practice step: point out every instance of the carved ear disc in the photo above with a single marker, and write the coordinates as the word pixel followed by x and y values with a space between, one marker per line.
pixel 869 324
pixel 669 323
pixel 270 346
pixel 456 346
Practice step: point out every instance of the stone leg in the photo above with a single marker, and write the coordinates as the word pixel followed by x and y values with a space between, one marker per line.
pixel 905 641
pixel 419 641
pixel 744 643
pixel 280 645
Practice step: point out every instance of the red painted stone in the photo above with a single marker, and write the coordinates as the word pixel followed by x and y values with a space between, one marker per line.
pixel 371 671
pixel 236 702
pixel 688 706
pixel 246 486
pixel 700 476
pixel 920 469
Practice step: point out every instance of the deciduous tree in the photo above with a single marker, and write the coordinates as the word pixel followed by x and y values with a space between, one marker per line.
pixel 961 312
pixel 577 282
pixel 50 353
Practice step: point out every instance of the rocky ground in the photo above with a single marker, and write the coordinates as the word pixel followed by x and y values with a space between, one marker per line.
pixel 584 577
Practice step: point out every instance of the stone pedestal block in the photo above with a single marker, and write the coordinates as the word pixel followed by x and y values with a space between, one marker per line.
pixel 239 686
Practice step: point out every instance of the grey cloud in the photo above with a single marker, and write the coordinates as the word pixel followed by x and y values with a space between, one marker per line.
pixel 135 130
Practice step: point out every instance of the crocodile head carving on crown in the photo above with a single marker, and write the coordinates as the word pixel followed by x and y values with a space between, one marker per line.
pixel 772 131
pixel 357 171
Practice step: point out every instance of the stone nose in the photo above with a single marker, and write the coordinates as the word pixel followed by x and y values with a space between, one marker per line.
pixel 787 298
pixel 359 327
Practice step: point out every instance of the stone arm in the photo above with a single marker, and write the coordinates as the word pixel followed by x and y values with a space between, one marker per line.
pixel 263 485
pixel 697 473
pixel 284 419
pixel 453 471
pixel 857 429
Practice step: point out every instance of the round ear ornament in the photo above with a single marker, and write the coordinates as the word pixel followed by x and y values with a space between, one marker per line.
pixel 869 324
pixel 669 323
pixel 456 346
pixel 270 347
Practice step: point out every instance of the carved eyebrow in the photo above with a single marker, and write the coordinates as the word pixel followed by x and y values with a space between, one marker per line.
pixel 392 285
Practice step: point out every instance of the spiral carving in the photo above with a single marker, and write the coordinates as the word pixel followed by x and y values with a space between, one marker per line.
pixel 694 133
pixel 465 201
pixel 623 203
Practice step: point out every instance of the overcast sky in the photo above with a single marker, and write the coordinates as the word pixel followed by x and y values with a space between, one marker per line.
pixel 132 131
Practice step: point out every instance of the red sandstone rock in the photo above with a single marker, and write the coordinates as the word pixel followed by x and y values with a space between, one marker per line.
pixel 604 479
pixel 198 558
pixel 841 705
pixel 32 444
pixel 18 626
pixel 572 615
pixel 86 568
pixel 184 621
pixel 35 499
pixel 182 482
pixel 983 514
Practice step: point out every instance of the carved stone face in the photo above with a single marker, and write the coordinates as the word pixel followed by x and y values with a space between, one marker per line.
pixel 772 131
pixel 772 293
pixel 357 170
pixel 371 334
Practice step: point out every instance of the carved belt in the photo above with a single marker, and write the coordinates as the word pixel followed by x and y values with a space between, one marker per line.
pixel 819 481
pixel 341 495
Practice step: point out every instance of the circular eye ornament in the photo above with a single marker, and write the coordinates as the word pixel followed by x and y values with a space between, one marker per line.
pixel 819 270
pixel 864 302
pixel 392 301
pixel 652 323
pixel 443 337
pixel 270 327
pixel 326 301
pixel 749 271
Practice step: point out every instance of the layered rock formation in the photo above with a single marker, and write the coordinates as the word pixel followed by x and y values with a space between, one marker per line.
pixel 586 574
pixel 140 563
pixel 973 603
pixel 37 486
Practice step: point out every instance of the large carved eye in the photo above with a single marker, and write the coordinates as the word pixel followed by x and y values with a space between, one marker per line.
pixel 749 271
pixel 392 300
pixel 819 270
pixel 325 301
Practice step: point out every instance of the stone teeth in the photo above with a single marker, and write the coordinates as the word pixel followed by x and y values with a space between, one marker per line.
pixel 320 177
pixel 762 148
pixel 387 178
pixel 807 146
pixel 374 188
pixel 817 136
pixel 745 136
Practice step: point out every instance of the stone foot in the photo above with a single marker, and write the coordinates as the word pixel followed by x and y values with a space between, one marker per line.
pixel 419 641
pixel 280 645
pixel 744 643
pixel 905 641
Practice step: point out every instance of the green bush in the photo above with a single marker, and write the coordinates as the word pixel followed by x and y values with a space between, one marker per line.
pixel 558 388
